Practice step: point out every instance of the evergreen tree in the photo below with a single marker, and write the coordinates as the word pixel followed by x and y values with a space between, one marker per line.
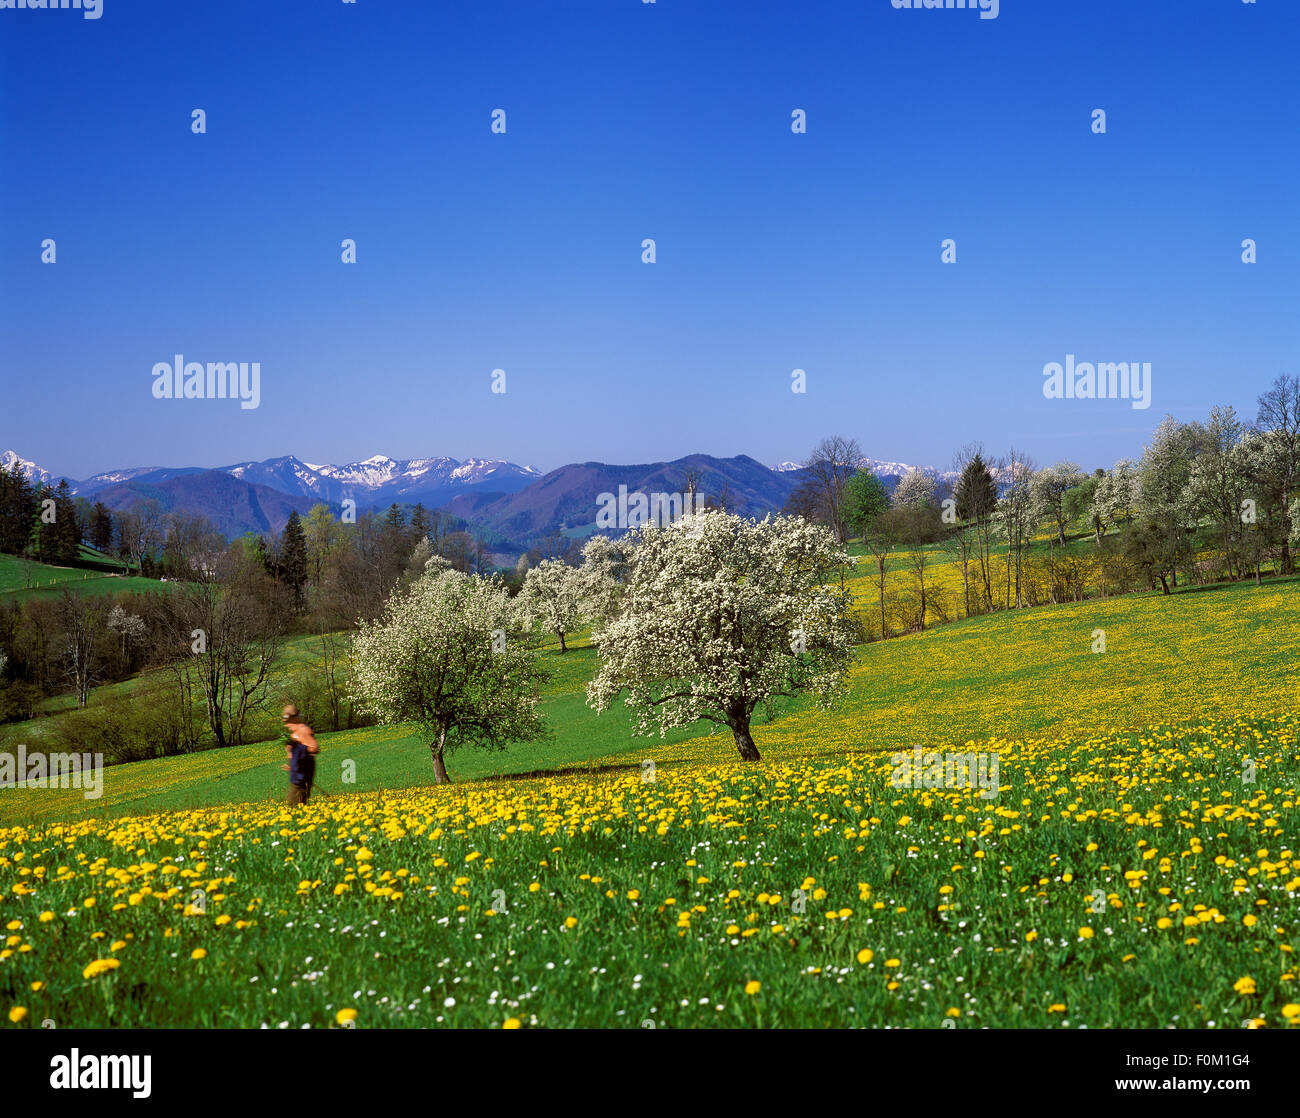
pixel 101 528
pixel 293 558
pixel 976 499
pixel 66 538
pixel 18 508
pixel 43 536
pixel 977 493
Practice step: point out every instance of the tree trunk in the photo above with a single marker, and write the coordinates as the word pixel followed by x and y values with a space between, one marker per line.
pixel 1164 582
pixel 965 577
pixel 563 647
pixel 880 563
pixel 745 743
pixel 439 765
pixel 986 564
pixel 218 724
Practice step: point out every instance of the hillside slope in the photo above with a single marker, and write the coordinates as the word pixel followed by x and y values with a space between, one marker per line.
pixel 1184 658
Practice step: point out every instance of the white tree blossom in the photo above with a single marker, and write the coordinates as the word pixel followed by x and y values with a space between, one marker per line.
pixel 722 614
pixel 1047 494
pixel 1164 492
pixel 553 596
pixel 603 576
pixel 440 656
pixel 1220 481
pixel 916 489
pixel 128 626
pixel 1116 497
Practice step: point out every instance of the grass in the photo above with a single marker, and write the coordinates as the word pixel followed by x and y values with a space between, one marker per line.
pixel 97 575
pixel 356 760
pixel 1001 675
pixel 807 892
pixel 1135 870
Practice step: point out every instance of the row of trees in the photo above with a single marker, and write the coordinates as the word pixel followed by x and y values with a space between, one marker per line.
pixel 38 520
pixel 211 641
pixel 48 524
pixel 1217 499
pixel 709 618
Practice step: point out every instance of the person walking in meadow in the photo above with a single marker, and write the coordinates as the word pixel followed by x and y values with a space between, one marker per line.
pixel 301 748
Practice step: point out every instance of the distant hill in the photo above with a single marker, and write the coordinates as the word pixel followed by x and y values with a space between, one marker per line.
pixel 511 506
pixel 143 475
pixel 377 482
pixel 566 499
pixel 234 506
pixel 380 481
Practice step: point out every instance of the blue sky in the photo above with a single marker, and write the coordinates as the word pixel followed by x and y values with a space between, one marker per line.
pixel 626 120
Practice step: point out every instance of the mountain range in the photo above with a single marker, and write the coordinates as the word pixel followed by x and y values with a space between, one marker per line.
pixel 379 480
pixel 513 506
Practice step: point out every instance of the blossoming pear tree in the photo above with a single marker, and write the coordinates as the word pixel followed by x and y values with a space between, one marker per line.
pixel 440 656
pixel 553 596
pixel 603 575
pixel 722 614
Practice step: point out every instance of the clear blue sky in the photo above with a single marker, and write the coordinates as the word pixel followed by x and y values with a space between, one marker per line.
pixel 627 120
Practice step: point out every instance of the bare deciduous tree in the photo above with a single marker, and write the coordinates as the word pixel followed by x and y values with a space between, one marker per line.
pixel 832 463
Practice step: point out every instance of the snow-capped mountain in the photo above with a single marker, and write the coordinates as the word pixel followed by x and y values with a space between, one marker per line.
pixel 381 479
pixel 257 496
pixel 877 466
pixel 1002 475
pixel 377 480
pixel 895 469
pixel 9 459
pixel 92 485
